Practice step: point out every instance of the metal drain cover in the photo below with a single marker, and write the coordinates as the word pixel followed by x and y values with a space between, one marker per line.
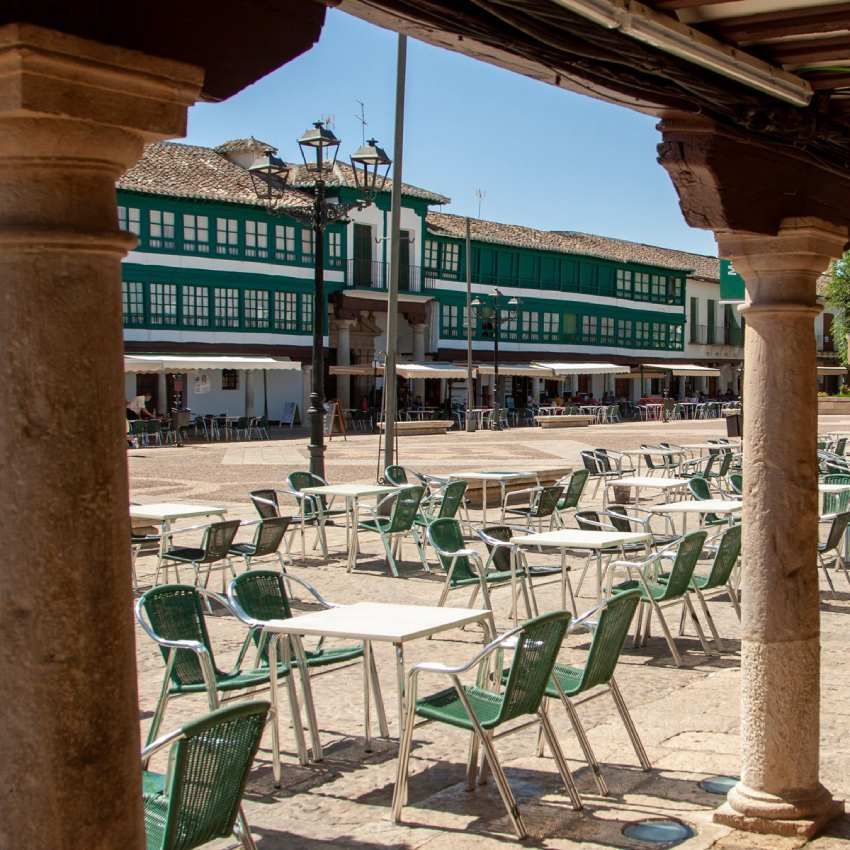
pixel 662 832
pixel 718 784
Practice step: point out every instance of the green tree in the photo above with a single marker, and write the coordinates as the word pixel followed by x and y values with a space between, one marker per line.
pixel 837 296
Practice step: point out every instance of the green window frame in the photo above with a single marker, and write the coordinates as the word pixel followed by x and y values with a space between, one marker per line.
pixel 196 306
pixel 308 245
pixel 674 290
pixel 307 311
pixel 255 308
pixel 335 258
pixel 286 311
pixel 658 287
pixel 130 219
pixel 624 331
pixel 641 286
pixel 589 328
pixel 161 230
pixel 226 307
pixel 431 255
pixel 450 262
pixel 606 329
pixel 196 233
pixel 659 335
pixel 551 326
pixel 133 302
pixel 710 321
pixel 163 304
pixel 530 324
pixel 624 283
pixel 676 337
pixel 284 242
pixel 256 239
pixel 227 236
pixel 694 320
pixel 449 319
pixel 642 334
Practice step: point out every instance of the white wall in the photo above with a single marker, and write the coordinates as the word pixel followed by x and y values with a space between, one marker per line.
pixel 704 291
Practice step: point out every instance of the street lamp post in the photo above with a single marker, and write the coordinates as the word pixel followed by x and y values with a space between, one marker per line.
pixel 497 309
pixel 269 175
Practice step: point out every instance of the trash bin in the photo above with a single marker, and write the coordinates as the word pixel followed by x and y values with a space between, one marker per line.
pixel 734 425
pixel 471 421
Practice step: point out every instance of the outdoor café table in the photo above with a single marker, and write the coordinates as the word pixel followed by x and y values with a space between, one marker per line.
pixel 352 493
pixel 644 482
pixel 653 452
pixel 503 479
pixel 166 513
pixel 374 622
pixel 551 410
pixel 727 507
pixel 574 538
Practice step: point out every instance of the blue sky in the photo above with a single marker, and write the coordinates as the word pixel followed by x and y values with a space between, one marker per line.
pixel 543 157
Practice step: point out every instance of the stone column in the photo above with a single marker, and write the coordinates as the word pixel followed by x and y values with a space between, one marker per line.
pixel 536 388
pixel 343 358
pixel 779 791
pixel 248 383
pixel 419 356
pixel 74 115
pixel 162 394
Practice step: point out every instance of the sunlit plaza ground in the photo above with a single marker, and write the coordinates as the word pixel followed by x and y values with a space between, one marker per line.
pixel 688 717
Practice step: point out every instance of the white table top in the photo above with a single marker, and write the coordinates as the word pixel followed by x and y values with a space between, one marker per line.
pixel 833 488
pixel 648 481
pixel 173 510
pixel 378 621
pixel 576 538
pixel 490 476
pixel 655 452
pixel 709 446
pixel 697 506
pixel 349 490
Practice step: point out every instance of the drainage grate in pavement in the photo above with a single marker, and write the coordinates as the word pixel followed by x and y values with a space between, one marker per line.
pixel 666 833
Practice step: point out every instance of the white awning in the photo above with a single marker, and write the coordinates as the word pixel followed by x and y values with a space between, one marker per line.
pixel 831 370
pixel 685 370
pixel 519 370
pixel 430 370
pixel 584 368
pixel 190 363
pixel 357 369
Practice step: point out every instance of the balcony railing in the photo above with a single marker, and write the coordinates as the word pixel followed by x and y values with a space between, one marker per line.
pixel 715 335
pixel 375 274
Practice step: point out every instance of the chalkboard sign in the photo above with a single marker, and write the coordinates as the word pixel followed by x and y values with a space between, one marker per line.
pixel 334 420
pixel 290 414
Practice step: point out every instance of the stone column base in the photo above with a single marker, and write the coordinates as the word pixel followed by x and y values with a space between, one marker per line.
pixel 758 811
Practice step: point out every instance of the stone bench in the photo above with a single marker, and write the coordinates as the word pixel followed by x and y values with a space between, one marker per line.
pixel 572 420
pixel 420 427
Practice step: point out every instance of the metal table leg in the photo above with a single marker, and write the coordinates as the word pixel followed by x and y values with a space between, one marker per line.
pixel 312 721
pixel 399 666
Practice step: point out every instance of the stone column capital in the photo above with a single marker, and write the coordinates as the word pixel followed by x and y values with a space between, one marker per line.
pixel 346 324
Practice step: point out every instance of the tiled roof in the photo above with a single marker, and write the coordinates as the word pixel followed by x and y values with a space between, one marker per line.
pixel 249 144
pixel 571 242
pixel 191 171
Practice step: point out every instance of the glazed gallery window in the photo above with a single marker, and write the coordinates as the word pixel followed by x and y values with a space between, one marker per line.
pixel 624 330
pixel 196 306
pixel 284 242
pixel 133 302
pixel 163 305
pixel 659 335
pixel 642 333
pixel 624 283
pixel 551 325
pixel 449 315
pixel 432 254
pixel 588 327
pixel 227 308
pixel 641 285
pixel 307 243
pixel 256 239
pixel 606 329
pixel 196 233
pixel 335 249
pixel 227 236
pixel 286 310
pixel 307 311
pixel 451 258
pixel 130 219
pixel 530 324
pixel 160 229
pixel 256 307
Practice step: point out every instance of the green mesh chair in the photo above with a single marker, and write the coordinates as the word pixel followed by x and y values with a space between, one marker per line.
pixel 442 504
pixel 199 799
pixel 718 580
pixel 259 596
pixel 483 712
pixel 268 536
pixel 172 615
pixel 701 491
pixel 396 475
pixel 573 488
pixel 212 554
pixel 401 507
pixel 658 592
pixel 832 544
pixel 313 510
pixel 542 505
pixel 464 567
pixel 735 483
pixel 609 626
pixel 836 503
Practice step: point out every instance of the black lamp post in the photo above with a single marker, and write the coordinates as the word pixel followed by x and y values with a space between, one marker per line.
pixel 496 309
pixel 270 175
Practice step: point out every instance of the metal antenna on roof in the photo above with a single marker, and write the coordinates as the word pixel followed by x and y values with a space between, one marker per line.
pixel 363 122
pixel 480 194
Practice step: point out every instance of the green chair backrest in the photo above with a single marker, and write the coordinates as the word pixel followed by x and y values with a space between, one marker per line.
pixel 545 501
pixel 300 480
pixel 836 531
pixel 725 463
pixel 396 475
pixel 840 446
pixel 649 460
pixel 262 596
pixel 588 520
pixel 834 503
pixel 153 426
pixel 243 422
pixel 687 555
pixel 269 534
pixel 538 644
pixel 574 489
pixel 175 612
pixel 618 515
pixel 207 769
pixel 217 539
pixel 608 639
pixel 736 482
pixel 699 487
pixel 452 498
pixel 405 505
pixel 725 557
pixel 137 427
pixel 501 555
pixel 446 536
pixel 265 501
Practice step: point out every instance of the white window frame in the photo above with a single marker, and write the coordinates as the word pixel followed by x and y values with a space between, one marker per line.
pixel 196 233
pixel 196 305
pixel 284 242
pixel 130 219
pixel 163 304
pixel 256 239
pixel 286 311
pixel 227 236
pixel 161 229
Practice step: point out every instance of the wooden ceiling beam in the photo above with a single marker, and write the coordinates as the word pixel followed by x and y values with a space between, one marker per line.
pixel 809 50
pixel 673 5
pixel 751 29
pixel 829 82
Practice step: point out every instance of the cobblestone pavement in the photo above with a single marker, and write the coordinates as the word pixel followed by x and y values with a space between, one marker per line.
pixel 687 717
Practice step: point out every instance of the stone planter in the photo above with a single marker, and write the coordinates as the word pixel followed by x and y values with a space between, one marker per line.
pixel 834 405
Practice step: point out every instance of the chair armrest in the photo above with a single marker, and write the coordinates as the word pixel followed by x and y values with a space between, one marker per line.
pixel 522 492
pixel 158 744
pixel 172 532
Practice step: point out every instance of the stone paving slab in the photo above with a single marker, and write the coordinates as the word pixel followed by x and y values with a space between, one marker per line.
pixel 687 718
